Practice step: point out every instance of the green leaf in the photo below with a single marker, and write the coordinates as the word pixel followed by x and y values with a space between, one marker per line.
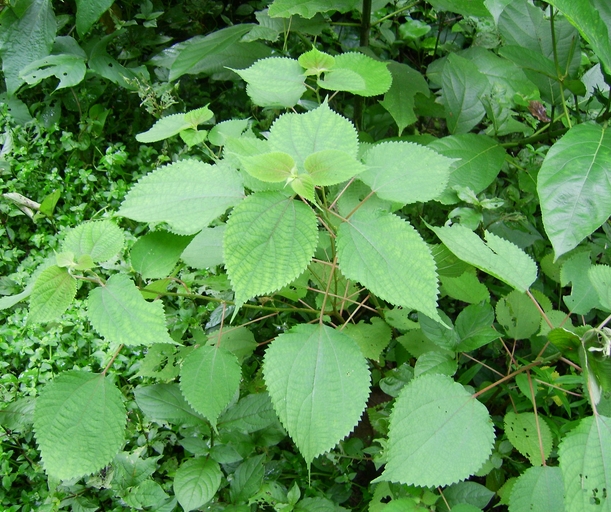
pixel 118 312
pixel 466 288
pixel 316 62
pixel 591 26
pixel 464 7
pixel 573 185
pixel 274 82
pixel 438 434
pixel 477 162
pixel 53 292
pixel 102 240
pixel 518 315
pixel 405 172
pixel 538 489
pixel 196 482
pixel 247 479
pixel 209 379
pixel 372 337
pixel 399 99
pixel 101 63
pixel 47 205
pixel 474 327
pixel 206 249
pixel 470 494
pixel 188 195
pixel 130 470
pixel 600 277
pixel 498 257
pixel 435 363
pixel 318 381
pixel 25 37
pixel 269 241
pixel 18 415
pixel 273 167
pixel 68 69
pixel 251 413
pixel 585 461
pixel 308 8
pixel 566 342
pixel 227 129
pixel 440 331
pixel 88 12
pixel 463 85
pixel 173 124
pixel 79 424
pixel 358 74
pixel 527 437
pixel 388 256
pixel 165 402
pixel 238 340
pixel 156 254
pixel 332 166
pixel 584 296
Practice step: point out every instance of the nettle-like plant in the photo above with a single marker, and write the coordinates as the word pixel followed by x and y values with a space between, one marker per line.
pixel 309 221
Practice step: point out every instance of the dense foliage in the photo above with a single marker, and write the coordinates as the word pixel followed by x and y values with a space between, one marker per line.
pixel 305 255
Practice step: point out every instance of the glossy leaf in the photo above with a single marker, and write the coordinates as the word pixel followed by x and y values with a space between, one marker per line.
pixel 477 162
pixel 528 436
pixel 118 312
pixel 196 482
pixel 269 241
pixel 498 257
pixel 538 489
pixel 156 254
pixel 463 85
pixel 53 292
pixel 405 172
pixel 102 240
pixel 188 195
pixel 79 423
pixel 388 256
pixel 573 184
pixel 585 461
pixel 318 381
pixel 357 73
pixel 438 434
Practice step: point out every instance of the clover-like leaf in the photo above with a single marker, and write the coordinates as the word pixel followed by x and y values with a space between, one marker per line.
pixel 318 381
pixel 79 423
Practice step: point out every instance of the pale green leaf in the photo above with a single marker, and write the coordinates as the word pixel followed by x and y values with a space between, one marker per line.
pixel 273 167
pixel 68 69
pixel 25 38
pixel 316 62
pixel 399 99
pixel 269 241
pixel 165 402
pixel 464 7
pixel 88 12
pixel 332 166
pixel 498 257
pixel 149 494
pixel 300 135
pixel 247 479
pixel 372 337
pixel 474 327
pixel 240 341
pixel 118 312
pixel 227 129
pixel 161 362
pixel 438 434
pixel 251 413
pixel 209 379
pixel 303 184
pixel 584 296
pixel 388 256
pixel 164 128
pixel 196 482
pixel 318 381
pixel 528 437
pixel 435 362
pixel 188 195
pixel 79 424
pixel 585 461
pixel 573 186
pixel 130 470
pixel 309 8
pixel 156 254
pixel 357 73
pixel 205 249
pixel 53 292
pixel 466 288
pixel 274 82
pixel 18 415
pixel 405 172
pixel 538 489
pixel 518 315
pixel 600 277
pixel 102 240
pixel 477 162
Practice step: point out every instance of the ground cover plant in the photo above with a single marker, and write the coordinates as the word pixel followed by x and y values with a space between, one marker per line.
pixel 305 256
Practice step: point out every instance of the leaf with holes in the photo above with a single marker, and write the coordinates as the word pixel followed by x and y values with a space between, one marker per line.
pixel 388 256
pixel 438 434
pixel 269 241
pixel 530 437
pixel 188 195
pixel 79 423
pixel 318 381
pixel 120 314
pixel 209 379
